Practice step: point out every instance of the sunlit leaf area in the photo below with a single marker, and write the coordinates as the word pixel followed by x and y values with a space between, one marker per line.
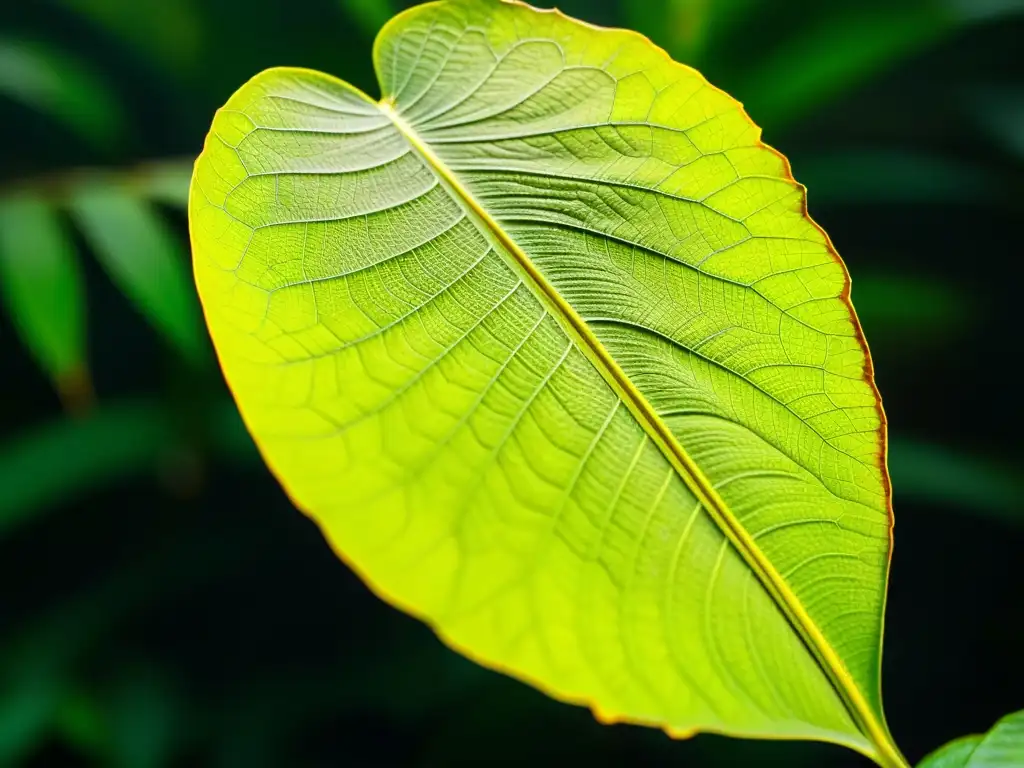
pixel 551 299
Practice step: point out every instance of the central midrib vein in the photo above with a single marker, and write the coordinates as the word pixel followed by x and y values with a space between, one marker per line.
pixel 577 328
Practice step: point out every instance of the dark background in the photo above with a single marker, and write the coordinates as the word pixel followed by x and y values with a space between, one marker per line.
pixel 161 602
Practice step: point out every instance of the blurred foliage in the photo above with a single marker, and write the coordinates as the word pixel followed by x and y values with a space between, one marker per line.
pixel 42 281
pixel 55 82
pixel 144 258
pixel 163 603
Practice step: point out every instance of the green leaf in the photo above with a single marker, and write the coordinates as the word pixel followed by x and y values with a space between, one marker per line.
pixel 921 471
pixel 54 82
pixel 144 715
pixel 1002 747
pixel 954 754
pixel 42 287
pixel 901 303
pixel 832 56
pixel 370 15
pixel 32 692
pixel 546 343
pixel 111 442
pixel 163 182
pixel 79 721
pixel 985 10
pixel 943 476
pixel 143 257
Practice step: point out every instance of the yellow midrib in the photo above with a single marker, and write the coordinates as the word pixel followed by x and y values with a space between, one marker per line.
pixel 888 755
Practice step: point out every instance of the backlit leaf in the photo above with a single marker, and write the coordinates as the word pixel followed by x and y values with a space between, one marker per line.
pixel 41 285
pixel 143 257
pixel 1002 747
pixel 546 343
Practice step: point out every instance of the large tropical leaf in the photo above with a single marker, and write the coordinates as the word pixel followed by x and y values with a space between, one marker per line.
pixel 547 344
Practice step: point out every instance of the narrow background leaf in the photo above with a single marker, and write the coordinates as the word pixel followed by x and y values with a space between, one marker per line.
pixel 900 303
pixel 1001 747
pixel 163 182
pixel 689 28
pixel 42 287
pixel 949 477
pixel 831 56
pixel 111 442
pixel 1000 112
pixel 172 35
pixel 370 15
pixel 145 259
pixel 144 712
pixel 54 82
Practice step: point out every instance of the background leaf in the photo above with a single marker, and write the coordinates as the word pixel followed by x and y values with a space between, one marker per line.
pixel 898 304
pixel 881 176
pixel 830 56
pixel 42 288
pixel 111 442
pixel 370 15
pixel 173 36
pixel 1001 747
pixel 688 28
pixel 1001 112
pixel 55 82
pixel 164 182
pixel 144 258
pixel 950 477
